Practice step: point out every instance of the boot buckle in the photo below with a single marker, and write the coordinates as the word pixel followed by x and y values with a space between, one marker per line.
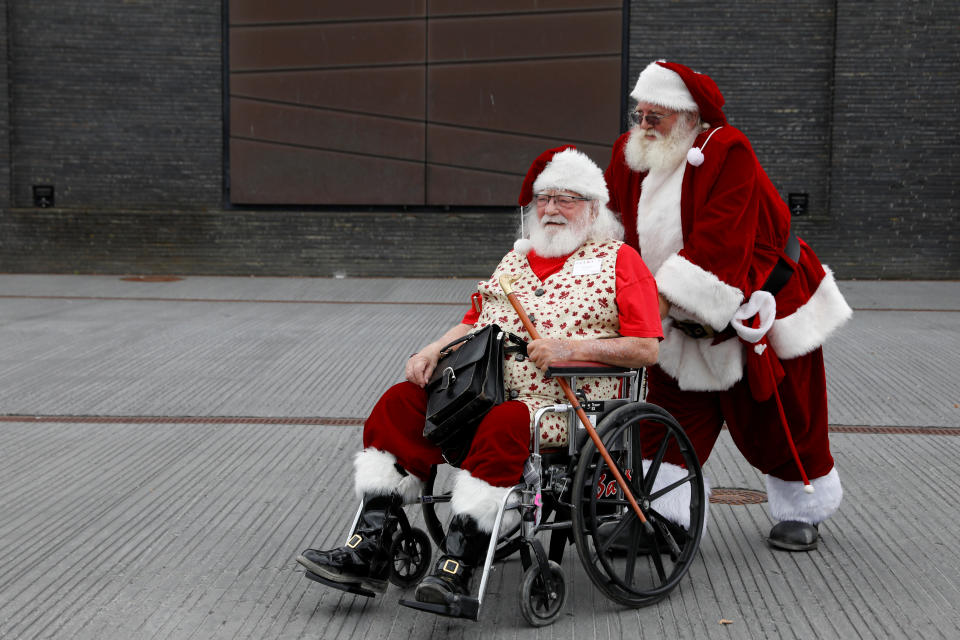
pixel 451 566
pixel 354 541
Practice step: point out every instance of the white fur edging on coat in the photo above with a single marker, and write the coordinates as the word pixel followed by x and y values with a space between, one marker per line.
pixel 374 473
pixel 700 365
pixel 698 291
pixel 788 501
pixel 809 326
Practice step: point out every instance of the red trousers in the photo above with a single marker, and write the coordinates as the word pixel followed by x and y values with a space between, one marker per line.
pixel 755 426
pixel 499 449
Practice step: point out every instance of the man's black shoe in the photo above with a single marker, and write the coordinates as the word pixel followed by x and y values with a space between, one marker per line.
pixel 365 558
pixel 791 535
pixel 462 548
pixel 359 565
pixel 450 578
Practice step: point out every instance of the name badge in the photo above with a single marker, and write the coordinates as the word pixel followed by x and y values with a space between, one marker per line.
pixel 587 267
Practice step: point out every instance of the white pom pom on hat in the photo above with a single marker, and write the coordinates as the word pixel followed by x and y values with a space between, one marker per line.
pixel 523 245
pixel 695 154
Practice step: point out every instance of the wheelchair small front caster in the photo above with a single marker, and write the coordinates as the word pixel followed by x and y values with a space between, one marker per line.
pixel 410 554
pixel 541 603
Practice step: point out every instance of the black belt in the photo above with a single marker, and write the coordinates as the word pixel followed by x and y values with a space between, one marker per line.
pixel 782 270
pixel 696 330
pixel 778 277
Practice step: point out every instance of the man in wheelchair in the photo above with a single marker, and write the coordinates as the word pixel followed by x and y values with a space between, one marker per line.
pixel 591 298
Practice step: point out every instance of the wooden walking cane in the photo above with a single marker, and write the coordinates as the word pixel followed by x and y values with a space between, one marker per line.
pixel 506 283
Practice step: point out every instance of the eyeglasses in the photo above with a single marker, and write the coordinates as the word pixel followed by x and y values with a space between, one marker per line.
pixel 563 201
pixel 653 119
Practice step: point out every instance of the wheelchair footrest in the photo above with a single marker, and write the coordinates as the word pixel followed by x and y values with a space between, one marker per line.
pixel 458 607
pixel 350 587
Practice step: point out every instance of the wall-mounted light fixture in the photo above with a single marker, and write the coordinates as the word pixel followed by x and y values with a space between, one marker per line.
pixel 43 195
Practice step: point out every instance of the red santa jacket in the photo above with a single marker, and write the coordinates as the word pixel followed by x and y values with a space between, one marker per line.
pixel 734 226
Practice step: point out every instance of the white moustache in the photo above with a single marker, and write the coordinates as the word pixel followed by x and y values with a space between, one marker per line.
pixel 553 220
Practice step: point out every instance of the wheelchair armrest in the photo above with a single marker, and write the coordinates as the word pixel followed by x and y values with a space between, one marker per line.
pixel 584 368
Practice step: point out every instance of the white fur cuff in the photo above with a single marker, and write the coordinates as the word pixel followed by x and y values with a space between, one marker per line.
pixel 375 473
pixel 788 501
pixel 478 499
pixel 809 326
pixel 698 291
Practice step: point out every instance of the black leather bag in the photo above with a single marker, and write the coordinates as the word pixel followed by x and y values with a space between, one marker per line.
pixel 465 386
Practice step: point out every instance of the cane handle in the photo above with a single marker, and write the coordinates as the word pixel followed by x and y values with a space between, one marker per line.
pixel 506 283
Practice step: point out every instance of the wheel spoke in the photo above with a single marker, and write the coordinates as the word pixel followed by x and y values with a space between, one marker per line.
pixel 658 561
pixel 632 554
pixel 655 463
pixel 670 487
pixel 628 519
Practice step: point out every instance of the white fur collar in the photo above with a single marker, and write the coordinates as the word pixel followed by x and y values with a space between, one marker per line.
pixel 658 216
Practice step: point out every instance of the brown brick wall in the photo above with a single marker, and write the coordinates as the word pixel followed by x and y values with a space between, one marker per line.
pixel 119 105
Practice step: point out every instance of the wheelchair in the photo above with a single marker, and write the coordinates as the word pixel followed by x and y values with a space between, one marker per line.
pixel 569 494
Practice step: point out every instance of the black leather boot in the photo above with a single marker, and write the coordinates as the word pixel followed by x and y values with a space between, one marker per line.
pixel 794 536
pixel 463 550
pixel 365 558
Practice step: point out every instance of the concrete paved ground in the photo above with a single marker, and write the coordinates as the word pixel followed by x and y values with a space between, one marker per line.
pixel 166 449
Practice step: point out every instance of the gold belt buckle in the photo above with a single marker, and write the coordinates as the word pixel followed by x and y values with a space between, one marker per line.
pixel 354 541
pixel 447 566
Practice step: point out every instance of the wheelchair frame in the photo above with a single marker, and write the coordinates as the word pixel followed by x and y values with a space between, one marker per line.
pixel 604 529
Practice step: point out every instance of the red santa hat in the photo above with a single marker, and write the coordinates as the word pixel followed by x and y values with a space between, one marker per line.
pixel 564 168
pixel 680 88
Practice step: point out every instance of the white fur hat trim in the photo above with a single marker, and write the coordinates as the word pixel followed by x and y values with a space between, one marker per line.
pixel 573 170
pixel 659 85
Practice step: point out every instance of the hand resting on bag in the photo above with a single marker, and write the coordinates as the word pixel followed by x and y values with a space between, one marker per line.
pixel 420 365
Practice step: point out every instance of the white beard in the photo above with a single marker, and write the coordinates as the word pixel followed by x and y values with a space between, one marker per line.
pixel 551 241
pixel 666 152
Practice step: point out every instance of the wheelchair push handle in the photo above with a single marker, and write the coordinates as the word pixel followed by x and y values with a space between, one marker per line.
pixel 506 283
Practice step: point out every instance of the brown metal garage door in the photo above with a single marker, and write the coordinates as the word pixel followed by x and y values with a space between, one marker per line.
pixel 439 102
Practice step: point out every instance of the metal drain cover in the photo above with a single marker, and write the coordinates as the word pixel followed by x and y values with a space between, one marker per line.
pixel 728 495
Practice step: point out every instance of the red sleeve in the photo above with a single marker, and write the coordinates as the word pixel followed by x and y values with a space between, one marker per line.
pixel 637 304
pixel 723 232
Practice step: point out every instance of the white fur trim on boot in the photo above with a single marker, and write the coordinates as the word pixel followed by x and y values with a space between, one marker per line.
pixel 478 499
pixel 675 506
pixel 375 473
pixel 788 501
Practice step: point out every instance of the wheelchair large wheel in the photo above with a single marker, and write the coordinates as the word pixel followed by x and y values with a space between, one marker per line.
pixel 627 562
pixel 436 513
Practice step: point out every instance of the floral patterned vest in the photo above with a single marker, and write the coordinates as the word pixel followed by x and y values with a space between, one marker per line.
pixel 577 303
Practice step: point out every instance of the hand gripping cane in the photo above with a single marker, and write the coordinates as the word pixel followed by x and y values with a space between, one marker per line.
pixel 505 284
